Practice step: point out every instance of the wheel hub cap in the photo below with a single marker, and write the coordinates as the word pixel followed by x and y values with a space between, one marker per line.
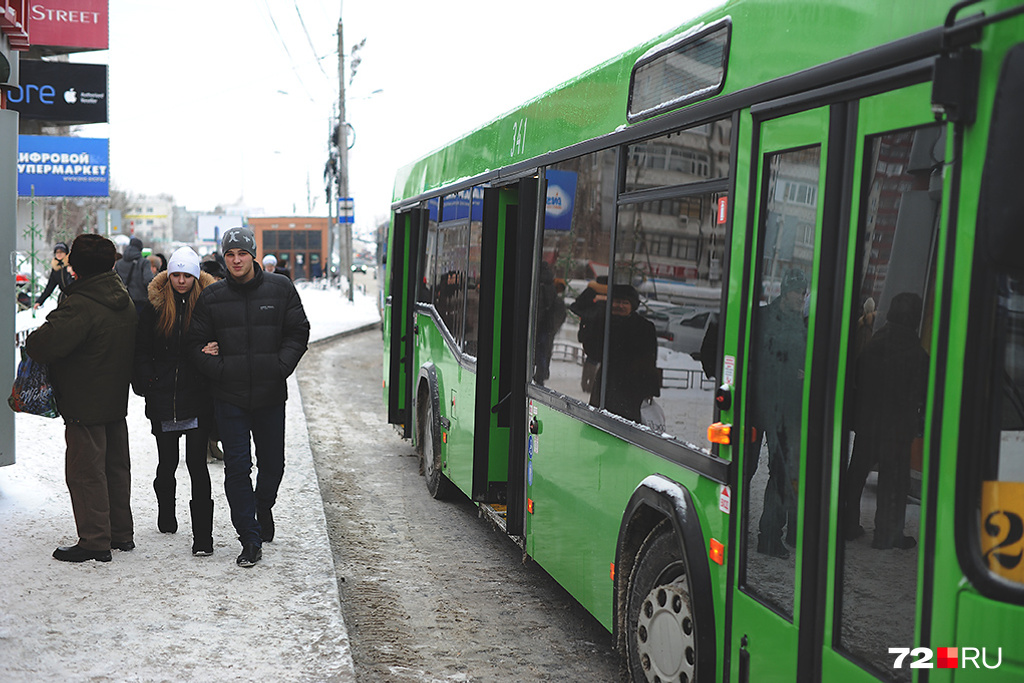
pixel 665 638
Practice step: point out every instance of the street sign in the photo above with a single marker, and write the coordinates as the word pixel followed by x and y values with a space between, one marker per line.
pixel 346 210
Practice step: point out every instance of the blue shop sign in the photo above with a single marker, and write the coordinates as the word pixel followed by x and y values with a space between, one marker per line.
pixel 53 166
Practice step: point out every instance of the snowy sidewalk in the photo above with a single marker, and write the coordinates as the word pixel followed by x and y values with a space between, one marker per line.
pixel 158 613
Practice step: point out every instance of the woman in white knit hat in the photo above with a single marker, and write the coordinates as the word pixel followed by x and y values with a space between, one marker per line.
pixel 177 397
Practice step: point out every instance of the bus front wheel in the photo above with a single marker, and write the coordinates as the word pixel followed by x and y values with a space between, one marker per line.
pixel 661 633
pixel 438 485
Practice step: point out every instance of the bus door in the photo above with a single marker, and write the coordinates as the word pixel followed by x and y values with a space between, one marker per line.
pixel 784 292
pixel 398 314
pixel 508 220
pixel 842 281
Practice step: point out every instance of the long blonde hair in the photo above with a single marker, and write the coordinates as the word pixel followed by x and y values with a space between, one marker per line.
pixel 161 295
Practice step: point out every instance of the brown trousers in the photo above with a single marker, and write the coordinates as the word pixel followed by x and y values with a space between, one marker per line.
pixel 98 472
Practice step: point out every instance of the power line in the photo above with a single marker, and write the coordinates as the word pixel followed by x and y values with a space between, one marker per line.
pixel 284 44
pixel 309 39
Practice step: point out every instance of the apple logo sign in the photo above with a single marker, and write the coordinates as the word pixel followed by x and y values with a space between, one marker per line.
pixel 70 96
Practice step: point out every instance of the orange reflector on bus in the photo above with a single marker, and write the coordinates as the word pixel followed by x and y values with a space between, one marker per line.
pixel 717 552
pixel 444 437
pixel 719 433
pixel 613 571
pixel 529 505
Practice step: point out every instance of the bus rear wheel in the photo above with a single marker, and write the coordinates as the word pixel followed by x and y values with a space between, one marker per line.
pixel 660 631
pixel 438 485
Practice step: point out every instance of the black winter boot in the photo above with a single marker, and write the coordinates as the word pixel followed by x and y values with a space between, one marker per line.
pixel 166 522
pixel 202 527
pixel 266 521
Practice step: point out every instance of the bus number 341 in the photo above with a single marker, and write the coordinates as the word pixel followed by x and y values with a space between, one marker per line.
pixel 947 657
pixel 518 138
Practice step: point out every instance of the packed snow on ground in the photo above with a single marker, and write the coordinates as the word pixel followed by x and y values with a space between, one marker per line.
pixel 158 613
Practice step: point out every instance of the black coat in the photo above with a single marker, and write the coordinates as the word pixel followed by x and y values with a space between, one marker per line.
pixel 632 369
pixel 60 279
pixel 135 272
pixel 173 387
pixel 87 342
pixel 262 331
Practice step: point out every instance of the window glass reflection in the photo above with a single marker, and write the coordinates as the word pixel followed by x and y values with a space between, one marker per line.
pixel 886 389
pixel 670 251
pixel 476 231
pixel 777 376
pixel 573 271
pixel 687 156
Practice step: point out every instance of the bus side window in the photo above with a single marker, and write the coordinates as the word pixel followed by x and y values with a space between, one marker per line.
pixel 425 288
pixel 572 273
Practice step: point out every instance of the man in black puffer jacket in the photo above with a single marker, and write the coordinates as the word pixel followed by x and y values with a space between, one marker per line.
pixel 248 333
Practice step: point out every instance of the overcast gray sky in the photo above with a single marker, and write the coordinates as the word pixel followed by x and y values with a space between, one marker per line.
pixel 213 102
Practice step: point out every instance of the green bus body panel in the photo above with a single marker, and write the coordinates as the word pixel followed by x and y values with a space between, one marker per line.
pixel 582 480
pixel 456 386
pixel 992 625
pixel 769 40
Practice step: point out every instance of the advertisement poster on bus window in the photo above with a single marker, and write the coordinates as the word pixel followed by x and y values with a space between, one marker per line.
pixel 54 166
pixel 560 200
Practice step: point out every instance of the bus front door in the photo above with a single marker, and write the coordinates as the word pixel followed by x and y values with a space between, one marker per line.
pixel 509 216
pixel 841 285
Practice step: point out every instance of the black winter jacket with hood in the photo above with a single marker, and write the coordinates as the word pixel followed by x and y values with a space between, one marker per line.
pixel 86 341
pixel 173 387
pixel 262 331
pixel 135 271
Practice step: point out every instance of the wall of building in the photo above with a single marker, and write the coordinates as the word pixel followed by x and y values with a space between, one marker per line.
pixel 299 243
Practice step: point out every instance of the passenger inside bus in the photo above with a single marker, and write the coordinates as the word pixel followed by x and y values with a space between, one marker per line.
pixel 632 373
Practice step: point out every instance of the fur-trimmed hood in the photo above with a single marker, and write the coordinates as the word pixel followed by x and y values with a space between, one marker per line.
pixel 161 293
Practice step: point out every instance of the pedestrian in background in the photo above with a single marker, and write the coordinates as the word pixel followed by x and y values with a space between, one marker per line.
pixel 270 265
pixel 178 399
pixel 85 341
pixel 136 273
pixel 61 275
pixel 248 333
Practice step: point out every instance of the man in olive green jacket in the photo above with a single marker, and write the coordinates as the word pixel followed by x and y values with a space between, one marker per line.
pixel 88 342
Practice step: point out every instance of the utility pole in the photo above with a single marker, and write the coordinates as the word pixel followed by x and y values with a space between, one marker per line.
pixel 345 229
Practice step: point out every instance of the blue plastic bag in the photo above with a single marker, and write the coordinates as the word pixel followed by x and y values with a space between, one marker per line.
pixel 32 392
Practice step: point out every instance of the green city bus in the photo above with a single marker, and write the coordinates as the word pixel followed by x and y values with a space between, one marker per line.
pixel 728 333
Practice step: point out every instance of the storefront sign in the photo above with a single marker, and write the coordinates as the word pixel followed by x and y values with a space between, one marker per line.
pixel 61 91
pixel 78 24
pixel 52 166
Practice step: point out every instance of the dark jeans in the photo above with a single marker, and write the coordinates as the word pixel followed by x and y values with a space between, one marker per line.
pixel 267 428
